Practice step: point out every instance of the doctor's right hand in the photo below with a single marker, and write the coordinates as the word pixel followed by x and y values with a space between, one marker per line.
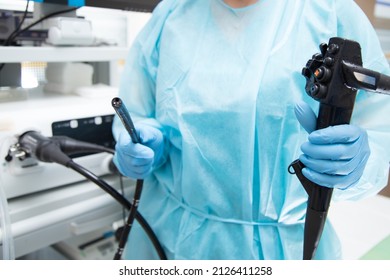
pixel 137 160
pixel 334 156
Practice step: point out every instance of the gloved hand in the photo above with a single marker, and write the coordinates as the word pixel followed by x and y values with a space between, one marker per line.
pixel 137 160
pixel 335 156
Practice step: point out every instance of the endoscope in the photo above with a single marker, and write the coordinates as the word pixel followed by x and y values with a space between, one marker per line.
pixel 332 78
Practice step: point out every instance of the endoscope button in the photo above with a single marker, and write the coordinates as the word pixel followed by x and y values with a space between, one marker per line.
pixel 323 48
pixel 333 48
pixel 328 61
pixel 309 62
pixel 322 74
pixel 306 72
pixel 319 73
pixel 313 90
pixel 317 56
pixel 320 92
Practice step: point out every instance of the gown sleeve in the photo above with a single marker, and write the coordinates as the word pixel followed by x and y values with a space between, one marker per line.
pixel 371 110
pixel 138 80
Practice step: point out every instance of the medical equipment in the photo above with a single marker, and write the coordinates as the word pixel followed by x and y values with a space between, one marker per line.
pixel 332 78
pixel 128 5
pixel 23 175
pixel 69 29
pixel 59 24
pixel 124 116
pixel 57 149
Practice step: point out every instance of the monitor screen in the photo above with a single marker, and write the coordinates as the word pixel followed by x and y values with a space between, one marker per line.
pixel 128 5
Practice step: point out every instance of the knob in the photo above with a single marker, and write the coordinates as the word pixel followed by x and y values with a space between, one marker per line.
pixel 316 90
pixel 323 48
pixel 317 56
pixel 322 74
pixel 306 72
pixel 333 48
pixel 328 61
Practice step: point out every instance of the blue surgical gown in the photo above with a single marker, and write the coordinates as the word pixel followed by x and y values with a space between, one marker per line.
pixel 221 84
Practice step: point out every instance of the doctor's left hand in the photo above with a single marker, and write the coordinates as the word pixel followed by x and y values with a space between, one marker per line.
pixel 335 156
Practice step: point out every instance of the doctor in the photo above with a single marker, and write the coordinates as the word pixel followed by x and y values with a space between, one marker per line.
pixel 213 86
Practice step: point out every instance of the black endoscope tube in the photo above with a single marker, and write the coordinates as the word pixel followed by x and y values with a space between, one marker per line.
pixel 55 149
pixel 124 116
pixel 325 83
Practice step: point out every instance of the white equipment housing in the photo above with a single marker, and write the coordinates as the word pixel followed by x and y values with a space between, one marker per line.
pixel 28 176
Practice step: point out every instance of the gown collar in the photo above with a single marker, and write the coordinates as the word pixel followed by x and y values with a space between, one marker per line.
pixel 239 11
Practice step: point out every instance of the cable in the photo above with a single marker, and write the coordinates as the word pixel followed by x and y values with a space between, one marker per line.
pixel 8 40
pixel 123 193
pixel 101 183
pixel 40 20
pixel 49 150
pixel 72 146
pixel 15 34
pixel 124 116
pixel 130 220
pixel 98 181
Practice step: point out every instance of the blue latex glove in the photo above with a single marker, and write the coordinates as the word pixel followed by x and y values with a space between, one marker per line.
pixel 335 156
pixel 137 160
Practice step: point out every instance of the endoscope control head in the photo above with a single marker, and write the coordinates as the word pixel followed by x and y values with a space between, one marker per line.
pixel 324 72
